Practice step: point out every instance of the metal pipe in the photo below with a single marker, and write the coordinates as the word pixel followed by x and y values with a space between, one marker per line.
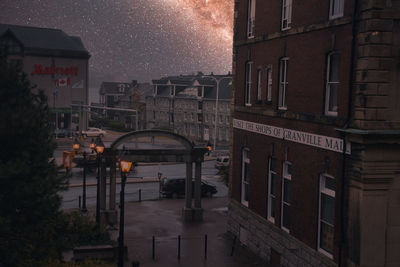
pixel 121 222
pixel 84 209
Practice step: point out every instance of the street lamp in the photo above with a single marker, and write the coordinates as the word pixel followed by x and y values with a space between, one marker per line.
pixel 99 148
pixel 216 105
pixel 92 145
pixel 209 147
pixel 76 145
pixel 125 167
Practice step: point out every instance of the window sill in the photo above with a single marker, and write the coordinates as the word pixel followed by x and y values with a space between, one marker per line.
pixel 248 105
pixel 329 255
pixel 285 229
pixel 331 114
pixel 282 108
pixel 336 16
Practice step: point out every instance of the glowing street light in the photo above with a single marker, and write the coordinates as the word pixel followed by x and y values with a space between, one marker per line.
pixel 125 167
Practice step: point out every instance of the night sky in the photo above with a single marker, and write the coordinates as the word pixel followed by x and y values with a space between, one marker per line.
pixel 137 39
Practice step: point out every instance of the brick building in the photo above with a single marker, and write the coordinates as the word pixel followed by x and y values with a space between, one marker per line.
pixel 315 173
pixel 57 64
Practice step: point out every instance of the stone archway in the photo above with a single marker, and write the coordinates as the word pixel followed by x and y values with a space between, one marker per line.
pixel 160 146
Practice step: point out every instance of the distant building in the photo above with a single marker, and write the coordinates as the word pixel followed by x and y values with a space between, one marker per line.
pixel 186 104
pixel 315 157
pixel 125 96
pixel 57 63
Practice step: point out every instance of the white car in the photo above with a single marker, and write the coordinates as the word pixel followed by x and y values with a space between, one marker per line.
pixel 93 132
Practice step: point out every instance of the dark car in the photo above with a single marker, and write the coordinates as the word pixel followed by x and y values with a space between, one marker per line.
pixel 61 133
pixel 175 187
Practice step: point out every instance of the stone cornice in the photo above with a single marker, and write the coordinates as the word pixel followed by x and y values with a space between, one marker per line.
pixel 294 31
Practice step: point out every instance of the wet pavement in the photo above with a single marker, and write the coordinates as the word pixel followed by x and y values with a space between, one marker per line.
pixel 162 219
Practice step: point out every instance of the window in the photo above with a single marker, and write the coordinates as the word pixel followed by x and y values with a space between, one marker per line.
pixel 326 220
pixel 336 9
pixel 285 204
pixel 269 84
pixel 332 84
pixel 251 16
pixel 200 91
pixel 199 105
pixel 286 14
pixel 9 45
pixel 283 82
pixel 172 91
pixel 247 100
pixel 271 189
pixel 259 84
pixel 245 177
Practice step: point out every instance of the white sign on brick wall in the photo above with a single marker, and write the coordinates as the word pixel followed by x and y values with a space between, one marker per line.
pixel 305 138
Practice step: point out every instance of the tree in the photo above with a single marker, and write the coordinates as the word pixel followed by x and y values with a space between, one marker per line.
pixel 29 204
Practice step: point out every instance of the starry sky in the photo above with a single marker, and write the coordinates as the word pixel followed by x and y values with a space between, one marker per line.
pixel 137 39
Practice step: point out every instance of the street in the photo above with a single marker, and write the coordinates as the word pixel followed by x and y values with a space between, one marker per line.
pixel 143 178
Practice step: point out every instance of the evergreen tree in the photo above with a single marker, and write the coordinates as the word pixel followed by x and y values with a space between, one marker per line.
pixel 29 204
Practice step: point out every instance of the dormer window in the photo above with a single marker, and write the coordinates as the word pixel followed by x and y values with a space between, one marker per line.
pixel 121 88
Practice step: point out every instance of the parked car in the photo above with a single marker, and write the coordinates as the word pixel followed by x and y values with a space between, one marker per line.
pixel 61 133
pixel 222 162
pixel 93 132
pixel 175 187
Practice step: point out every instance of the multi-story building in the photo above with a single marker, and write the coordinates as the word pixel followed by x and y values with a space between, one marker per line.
pixel 124 96
pixel 188 105
pixel 315 169
pixel 57 64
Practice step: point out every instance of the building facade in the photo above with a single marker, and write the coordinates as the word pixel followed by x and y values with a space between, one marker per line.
pixel 188 106
pixel 57 64
pixel 316 132
pixel 122 97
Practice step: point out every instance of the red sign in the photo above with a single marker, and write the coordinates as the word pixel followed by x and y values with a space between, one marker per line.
pixel 39 69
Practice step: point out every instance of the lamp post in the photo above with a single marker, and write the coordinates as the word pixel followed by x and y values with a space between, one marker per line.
pixel 99 148
pixel 76 145
pixel 216 105
pixel 125 167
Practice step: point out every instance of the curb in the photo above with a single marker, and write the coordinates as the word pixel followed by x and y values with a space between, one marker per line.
pixel 136 181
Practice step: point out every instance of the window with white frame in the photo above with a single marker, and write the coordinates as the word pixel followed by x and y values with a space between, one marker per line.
pixel 247 96
pixel 285 199
pixel 271 189
pixel 326 220
pixel 259 85
pixel 269 84
pixel 283 82
pixel 332 84
pixel 245 177
pixel 336 9
pixel 251 16
pixel 286 14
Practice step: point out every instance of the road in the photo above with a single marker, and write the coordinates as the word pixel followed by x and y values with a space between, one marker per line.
pixel 143 174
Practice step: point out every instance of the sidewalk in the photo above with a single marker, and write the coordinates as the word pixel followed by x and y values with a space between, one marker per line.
pixel 162 219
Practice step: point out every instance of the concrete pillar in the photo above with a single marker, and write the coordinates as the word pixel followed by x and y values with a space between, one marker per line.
pixel 187 212
pixel 197 186
pixel 198 211
pixel 188 186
